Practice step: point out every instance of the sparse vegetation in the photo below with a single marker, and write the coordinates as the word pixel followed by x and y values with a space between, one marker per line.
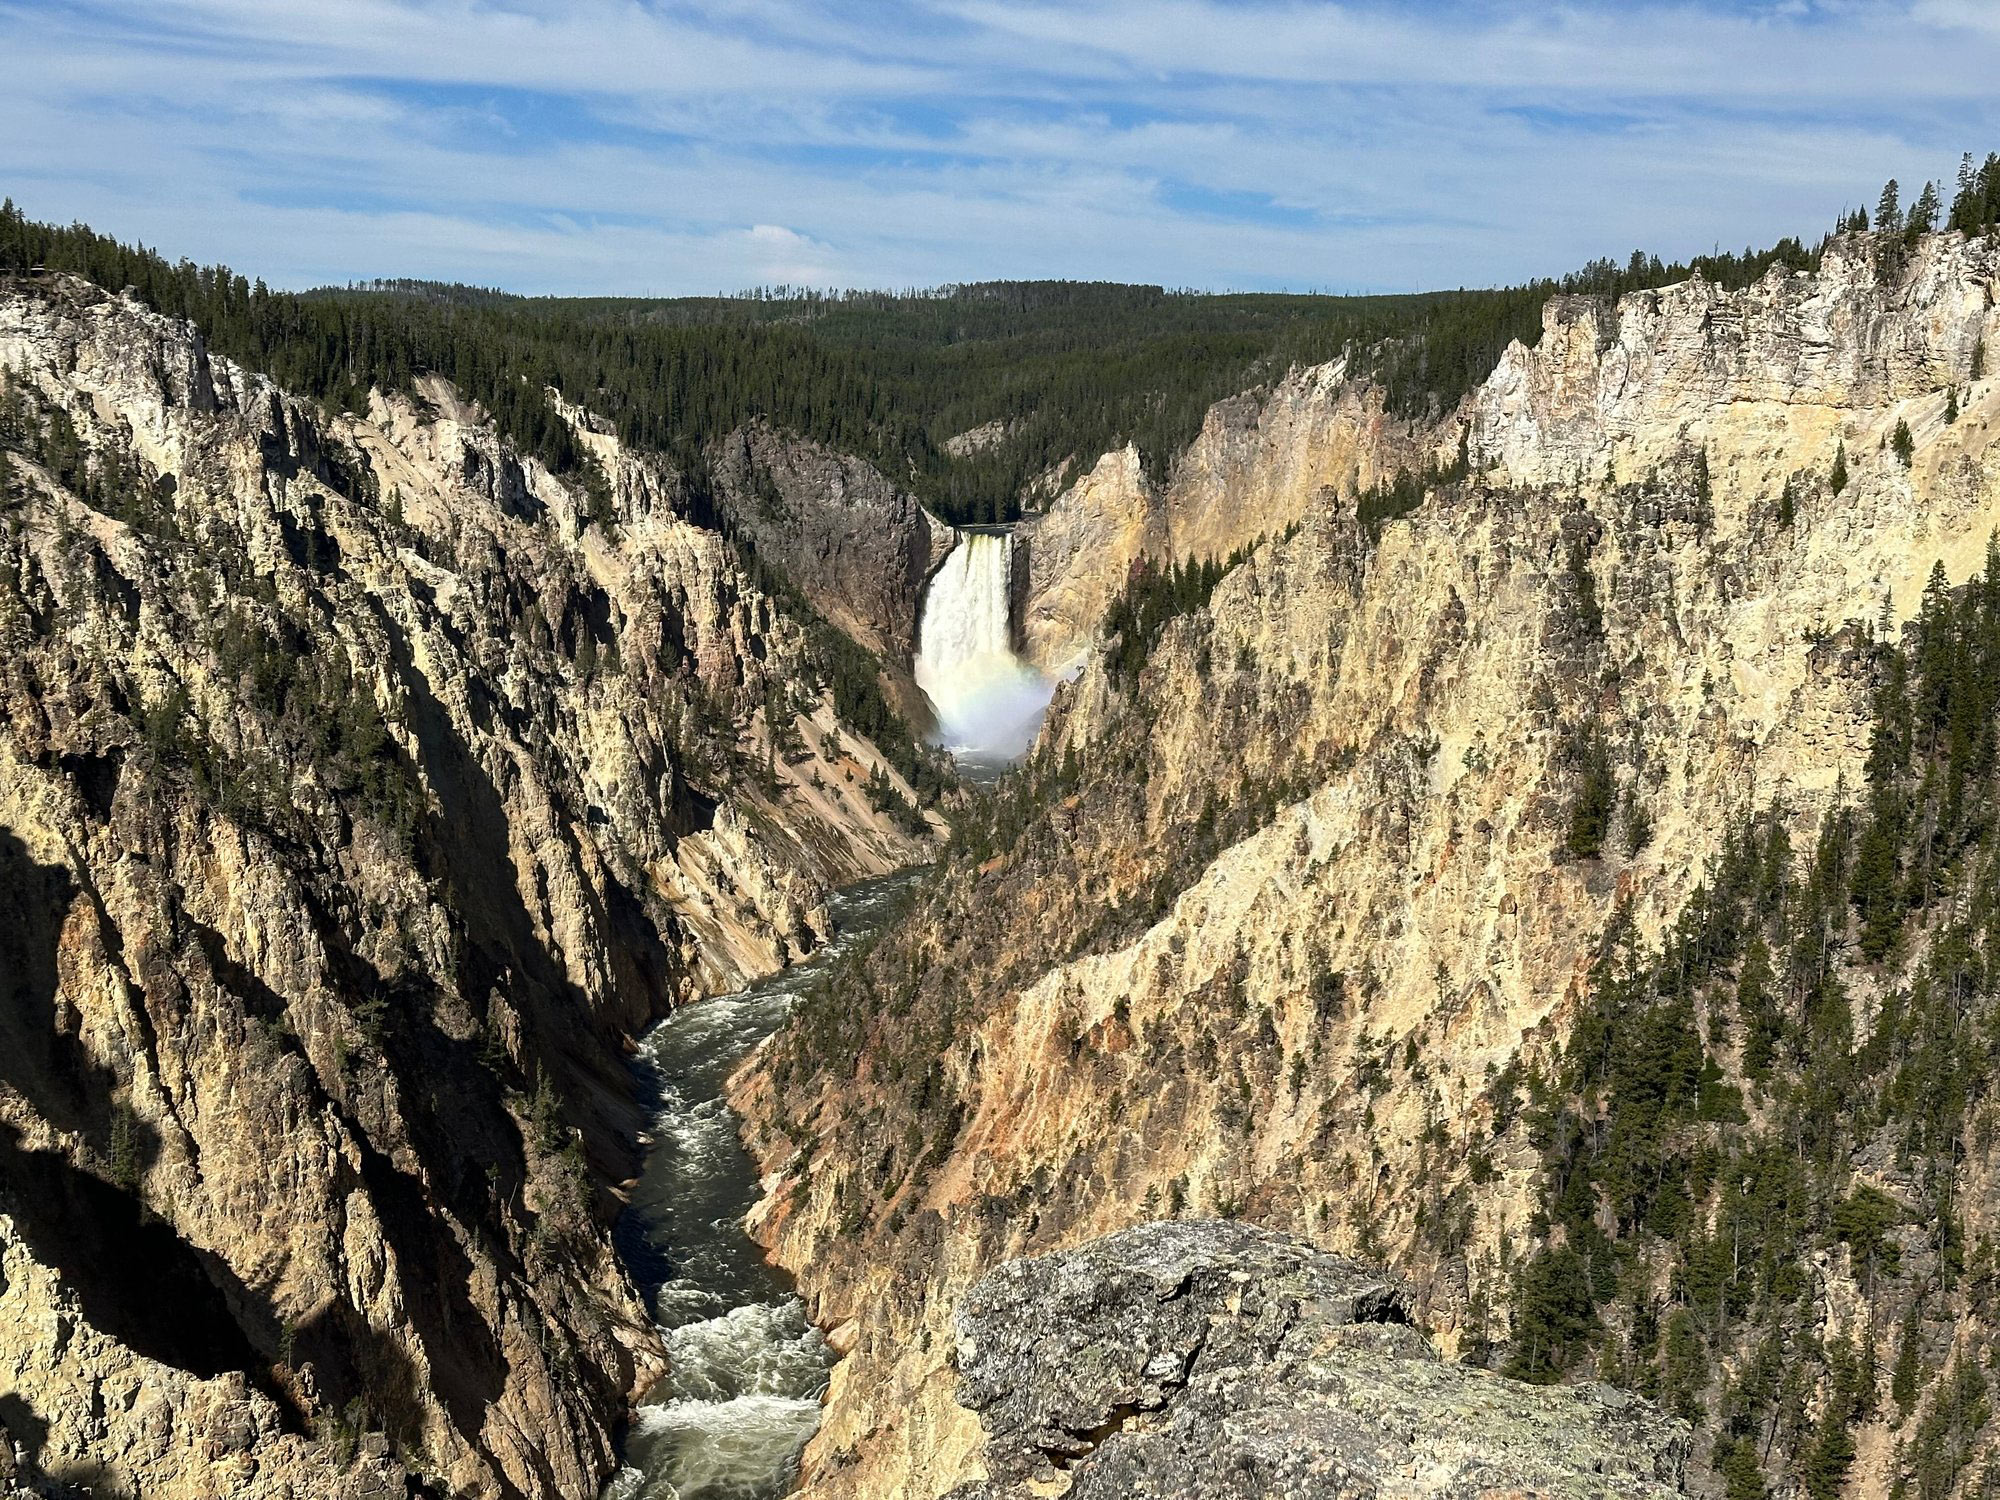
pixel 1675 1241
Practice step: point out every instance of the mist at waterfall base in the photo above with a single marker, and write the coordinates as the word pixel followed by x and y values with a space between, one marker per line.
pixel 989 702
pixel 742 1391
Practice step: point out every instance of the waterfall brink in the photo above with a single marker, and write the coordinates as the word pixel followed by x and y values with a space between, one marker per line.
pixel 989 702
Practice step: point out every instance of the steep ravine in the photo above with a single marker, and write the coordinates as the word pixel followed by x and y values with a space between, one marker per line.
pixel 1264 923
pixel 364 789
pixel 745 1369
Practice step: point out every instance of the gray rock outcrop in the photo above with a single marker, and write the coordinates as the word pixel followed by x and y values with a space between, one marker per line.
pixel 855 545
pixel 1203 1359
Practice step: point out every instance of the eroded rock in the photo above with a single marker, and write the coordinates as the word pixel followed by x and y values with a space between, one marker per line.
pixel 364 788
pixel 1201 1359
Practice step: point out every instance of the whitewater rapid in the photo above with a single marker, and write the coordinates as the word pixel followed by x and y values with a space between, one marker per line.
pixel 989 702
pixel 742 1391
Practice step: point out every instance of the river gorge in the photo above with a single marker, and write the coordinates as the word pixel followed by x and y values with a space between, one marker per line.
pixel 1463 872
pixel 747 1371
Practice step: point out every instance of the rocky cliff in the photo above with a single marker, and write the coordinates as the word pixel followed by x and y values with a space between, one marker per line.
pixel 1197 1360
pixel 1273 918
pixel 364 787
pixel 1262 462
pixel 857 547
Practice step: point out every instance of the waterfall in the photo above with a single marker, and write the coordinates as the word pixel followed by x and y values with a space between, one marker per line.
pixel 989 702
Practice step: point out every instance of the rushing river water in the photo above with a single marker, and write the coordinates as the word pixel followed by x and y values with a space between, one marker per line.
pixel 742 1394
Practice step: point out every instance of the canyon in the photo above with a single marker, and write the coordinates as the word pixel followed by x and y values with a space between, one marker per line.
pixel 371 789
pixel 362 791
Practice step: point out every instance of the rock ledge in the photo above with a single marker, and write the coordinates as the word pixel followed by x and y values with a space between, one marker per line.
pixel 1206 1359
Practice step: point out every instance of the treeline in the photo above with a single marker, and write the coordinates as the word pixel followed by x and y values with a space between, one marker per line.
pixel 1725 1116
pixel 1054 372
pixel 667 388
pixel 1975 207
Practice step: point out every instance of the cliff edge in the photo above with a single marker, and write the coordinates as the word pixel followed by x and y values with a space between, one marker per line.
pixel 1203 1360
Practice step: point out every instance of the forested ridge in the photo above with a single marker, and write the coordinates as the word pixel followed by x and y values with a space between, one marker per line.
pixel 1046 373
pixel 1798 1079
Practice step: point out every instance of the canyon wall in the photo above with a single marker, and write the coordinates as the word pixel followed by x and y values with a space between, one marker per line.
pixel 856 547
pixel 1261 462
pixel 364 788
pixel 1267 918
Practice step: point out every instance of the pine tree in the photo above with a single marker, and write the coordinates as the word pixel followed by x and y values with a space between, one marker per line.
pixel 1837 479
pixel 1742 1478
pixel 1638 824
pixel 1831 1455
pixel 1589 614
pixel 1590 812
pixel 1877 889
pixel 1967 209
pixel 1888 211
pixel 1554 1316
pixel 1902 444
pixel 1987 188
pixel 1757 1009
pixel 1923 213
pixel 1903 1380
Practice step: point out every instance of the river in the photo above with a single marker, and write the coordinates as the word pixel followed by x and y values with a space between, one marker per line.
pixel 742 1394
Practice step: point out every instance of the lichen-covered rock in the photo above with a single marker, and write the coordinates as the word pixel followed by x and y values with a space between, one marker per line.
pixel 1199 1360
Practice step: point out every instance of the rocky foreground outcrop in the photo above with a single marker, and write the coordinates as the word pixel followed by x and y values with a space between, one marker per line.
pixel 1202 1360
pixel 364 788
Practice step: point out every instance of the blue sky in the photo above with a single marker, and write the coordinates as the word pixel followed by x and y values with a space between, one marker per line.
pixel 618 146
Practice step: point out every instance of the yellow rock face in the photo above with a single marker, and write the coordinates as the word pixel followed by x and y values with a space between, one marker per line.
pixel 1357 762
pixel 1261 463
pixel 293 1047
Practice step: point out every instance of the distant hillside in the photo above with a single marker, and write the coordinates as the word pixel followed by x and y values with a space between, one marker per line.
pixel 1054 371
pixel 1051 371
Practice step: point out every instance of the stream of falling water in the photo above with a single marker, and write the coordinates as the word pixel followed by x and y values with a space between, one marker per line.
pixel 742 1393
pixel 989 702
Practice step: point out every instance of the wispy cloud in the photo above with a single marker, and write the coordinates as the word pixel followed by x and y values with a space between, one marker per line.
pixel 612 145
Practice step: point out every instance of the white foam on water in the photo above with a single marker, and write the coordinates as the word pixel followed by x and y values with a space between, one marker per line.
pixel 762 1349
pixel 703 1136
pixel 723 1450
pixel 746 1370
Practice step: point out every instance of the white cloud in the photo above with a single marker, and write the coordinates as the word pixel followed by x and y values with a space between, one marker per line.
pixel 605 145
